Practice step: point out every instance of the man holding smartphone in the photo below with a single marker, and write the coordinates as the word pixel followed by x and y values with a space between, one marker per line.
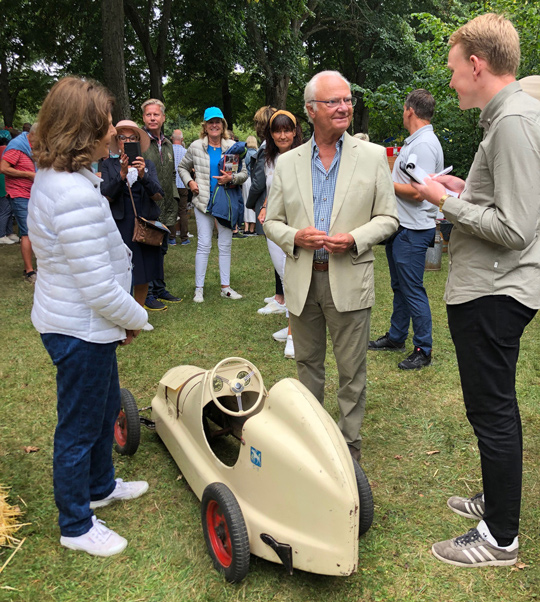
pixel 161 154
pixel 406 249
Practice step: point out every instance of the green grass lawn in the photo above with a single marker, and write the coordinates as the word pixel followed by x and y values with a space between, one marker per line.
pixel 409 416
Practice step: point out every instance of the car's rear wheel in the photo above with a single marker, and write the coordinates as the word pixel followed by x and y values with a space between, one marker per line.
pixel 225 532
pixel 366 499
pixel 127 428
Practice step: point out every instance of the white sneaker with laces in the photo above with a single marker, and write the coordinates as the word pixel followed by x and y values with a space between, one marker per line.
pixel 123 491
pixel 6 240
pixel 13 237
pixel 272 308
pixel 198 298
pixel 281 335
pixel 148 327
pixel 269 299
pixel 99 541
pixel 229 293
pixel 289 348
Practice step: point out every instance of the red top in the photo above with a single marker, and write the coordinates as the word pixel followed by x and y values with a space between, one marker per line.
pixel 18 187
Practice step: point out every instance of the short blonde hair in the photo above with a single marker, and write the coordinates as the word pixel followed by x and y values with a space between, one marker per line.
pixel 153 101
pixel 493 38
pixel 251 142
pixel 74 117
pixel 261 118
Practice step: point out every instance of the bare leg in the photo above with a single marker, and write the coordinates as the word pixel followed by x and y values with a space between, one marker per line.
pixel 139 293
pixel 26 252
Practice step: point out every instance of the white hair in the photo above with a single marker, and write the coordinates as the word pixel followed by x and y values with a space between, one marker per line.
pixel 310 91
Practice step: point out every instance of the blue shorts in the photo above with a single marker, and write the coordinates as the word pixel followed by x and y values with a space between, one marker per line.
pixel 19 206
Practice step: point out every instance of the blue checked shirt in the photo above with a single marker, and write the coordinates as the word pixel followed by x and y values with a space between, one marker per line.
pixel 324 186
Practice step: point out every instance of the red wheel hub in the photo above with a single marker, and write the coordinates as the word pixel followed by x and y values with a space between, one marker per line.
pixel 120 429
pixel 219 533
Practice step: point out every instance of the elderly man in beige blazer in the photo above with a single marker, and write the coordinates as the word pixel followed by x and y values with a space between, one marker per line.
pixel 331 200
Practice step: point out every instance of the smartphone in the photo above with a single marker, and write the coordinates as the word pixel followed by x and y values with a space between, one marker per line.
pixel 132 150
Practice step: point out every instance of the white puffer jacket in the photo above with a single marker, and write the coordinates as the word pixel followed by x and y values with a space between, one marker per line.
pixel 197 158
pixel 84 267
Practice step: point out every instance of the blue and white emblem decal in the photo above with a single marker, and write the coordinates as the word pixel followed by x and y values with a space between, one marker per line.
pixel 256 457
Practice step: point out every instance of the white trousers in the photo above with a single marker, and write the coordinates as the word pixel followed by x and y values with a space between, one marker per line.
pixel 205 227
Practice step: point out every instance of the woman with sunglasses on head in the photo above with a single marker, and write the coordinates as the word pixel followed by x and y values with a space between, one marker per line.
pixel 145 190
pixel 82 307
pixel 283 133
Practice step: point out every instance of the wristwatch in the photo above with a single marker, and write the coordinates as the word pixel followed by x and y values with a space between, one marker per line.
pixel 441 202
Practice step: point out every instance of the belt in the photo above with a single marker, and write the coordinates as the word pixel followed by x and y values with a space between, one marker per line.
pixel 320 266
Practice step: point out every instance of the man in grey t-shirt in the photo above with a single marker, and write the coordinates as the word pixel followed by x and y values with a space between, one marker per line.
pixel 406 250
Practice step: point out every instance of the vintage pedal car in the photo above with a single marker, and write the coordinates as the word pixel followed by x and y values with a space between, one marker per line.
pixel 288 491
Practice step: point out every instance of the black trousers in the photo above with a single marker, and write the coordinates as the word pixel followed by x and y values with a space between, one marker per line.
pixel 486 333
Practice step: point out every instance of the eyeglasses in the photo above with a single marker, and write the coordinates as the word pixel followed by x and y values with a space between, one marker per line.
pixel 333 103
pixel 128 138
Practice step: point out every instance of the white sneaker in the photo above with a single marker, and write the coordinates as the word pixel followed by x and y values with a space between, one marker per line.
pixel 281 335
pixel 189 235
pixel 198 298
pixel 99 541
pixel 148 327
pixel 229 293
pixel 289 348
pixel 123 491
pixel 13 237
pixel 272 308
pixel 5 240
pixel 269 299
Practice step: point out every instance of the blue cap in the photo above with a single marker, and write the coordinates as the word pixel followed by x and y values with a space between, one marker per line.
pixel 212 112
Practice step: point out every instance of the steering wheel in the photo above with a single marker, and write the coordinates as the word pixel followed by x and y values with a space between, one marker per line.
pixel 236 385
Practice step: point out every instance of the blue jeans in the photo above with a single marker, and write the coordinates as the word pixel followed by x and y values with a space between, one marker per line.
pixel 88 394
pixel 6 217
pixel 407 261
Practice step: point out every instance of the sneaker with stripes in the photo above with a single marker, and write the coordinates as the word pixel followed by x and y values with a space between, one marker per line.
pixel 473 507
pixel 474 549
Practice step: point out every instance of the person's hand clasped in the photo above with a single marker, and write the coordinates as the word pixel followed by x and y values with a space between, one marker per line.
pixel 310 238
pixel 224 178
pixel 339 243
pixel 130 335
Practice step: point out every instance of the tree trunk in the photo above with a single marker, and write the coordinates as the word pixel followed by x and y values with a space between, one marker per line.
pixel 276 91
pixel 112 19
pixel 7 103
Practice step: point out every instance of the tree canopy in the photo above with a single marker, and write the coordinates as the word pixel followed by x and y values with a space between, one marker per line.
pixel 241 54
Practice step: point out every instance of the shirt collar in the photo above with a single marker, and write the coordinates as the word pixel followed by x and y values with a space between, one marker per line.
pixel 315 148
pixel 91 176
pixel 494 106
pixel 424 128
pixel 152 137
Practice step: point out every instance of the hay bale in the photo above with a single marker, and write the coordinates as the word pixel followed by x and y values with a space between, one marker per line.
pixel 9 524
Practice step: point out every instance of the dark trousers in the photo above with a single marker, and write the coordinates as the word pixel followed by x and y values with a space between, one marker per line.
pixel 486 333
pixel 88 393
pixel 406 255
pixel 156 288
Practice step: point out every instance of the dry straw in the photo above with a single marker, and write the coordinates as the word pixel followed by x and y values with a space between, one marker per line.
pixel 9 525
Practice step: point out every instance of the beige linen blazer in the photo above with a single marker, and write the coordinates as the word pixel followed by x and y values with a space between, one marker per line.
pixel 364 206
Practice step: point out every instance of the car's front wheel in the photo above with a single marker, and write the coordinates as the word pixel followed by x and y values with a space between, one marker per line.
pixel 127 428
pixel 225 532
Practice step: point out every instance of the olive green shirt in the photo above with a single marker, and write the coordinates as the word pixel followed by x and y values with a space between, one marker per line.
pixel 495 246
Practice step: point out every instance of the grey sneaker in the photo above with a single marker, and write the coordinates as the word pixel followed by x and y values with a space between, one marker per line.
pixel 473 549
pixel 123 491
pixel 473 507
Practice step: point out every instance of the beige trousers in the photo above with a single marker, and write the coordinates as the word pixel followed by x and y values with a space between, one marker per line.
pixel 349 332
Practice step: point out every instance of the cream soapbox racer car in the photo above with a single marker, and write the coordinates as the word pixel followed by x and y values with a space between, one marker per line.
pixel 287 491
